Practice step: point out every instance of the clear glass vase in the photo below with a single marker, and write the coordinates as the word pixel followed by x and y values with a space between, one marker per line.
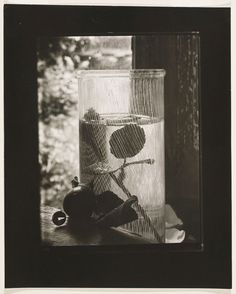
pixel 121 118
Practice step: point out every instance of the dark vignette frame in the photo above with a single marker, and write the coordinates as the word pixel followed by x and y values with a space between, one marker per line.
pixel 27 263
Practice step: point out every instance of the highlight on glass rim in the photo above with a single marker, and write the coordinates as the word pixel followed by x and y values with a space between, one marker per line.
pixel 119 139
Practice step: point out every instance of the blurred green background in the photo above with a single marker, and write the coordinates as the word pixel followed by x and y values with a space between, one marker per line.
pixel 59 60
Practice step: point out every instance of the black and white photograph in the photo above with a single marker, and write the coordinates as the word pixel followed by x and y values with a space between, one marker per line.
pixel 119 139
pixel 117 157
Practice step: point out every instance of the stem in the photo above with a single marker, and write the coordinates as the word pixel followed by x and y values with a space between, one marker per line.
pixel 148 161
pixel 124 165
pixel 137 206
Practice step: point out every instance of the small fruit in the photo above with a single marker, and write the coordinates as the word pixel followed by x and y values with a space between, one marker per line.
pixel 79 202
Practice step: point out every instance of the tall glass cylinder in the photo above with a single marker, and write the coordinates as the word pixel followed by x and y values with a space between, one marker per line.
pixel 121 118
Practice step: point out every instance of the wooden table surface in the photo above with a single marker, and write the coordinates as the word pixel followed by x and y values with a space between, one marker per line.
pixel 73 235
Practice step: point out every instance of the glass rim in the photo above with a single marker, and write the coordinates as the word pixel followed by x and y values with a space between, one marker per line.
pixel 155 73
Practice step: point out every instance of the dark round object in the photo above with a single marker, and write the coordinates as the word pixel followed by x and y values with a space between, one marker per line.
pixel 79 203
pixel 59 218
pixel 127 141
